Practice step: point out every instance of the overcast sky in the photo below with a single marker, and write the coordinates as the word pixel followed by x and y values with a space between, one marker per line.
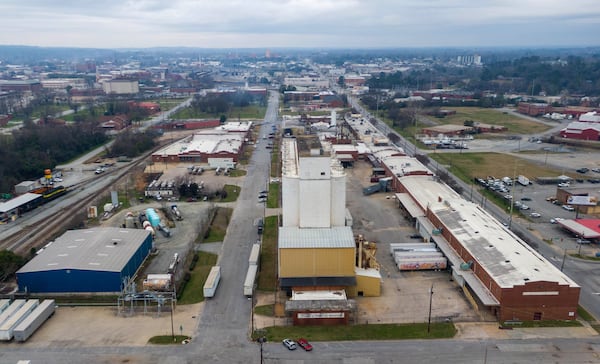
pixel 300 23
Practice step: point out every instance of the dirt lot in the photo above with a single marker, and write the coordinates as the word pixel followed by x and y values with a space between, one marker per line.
pixel 101 326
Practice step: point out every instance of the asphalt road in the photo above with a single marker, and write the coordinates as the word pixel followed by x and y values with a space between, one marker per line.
pixel 221 336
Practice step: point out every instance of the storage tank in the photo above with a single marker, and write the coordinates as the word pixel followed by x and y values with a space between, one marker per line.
pixel 153 217
pixel 157 282
pixel 129 222
pixel 151 230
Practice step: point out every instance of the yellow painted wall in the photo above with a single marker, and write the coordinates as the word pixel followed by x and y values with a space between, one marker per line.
pixel 324 262
pixel 370 286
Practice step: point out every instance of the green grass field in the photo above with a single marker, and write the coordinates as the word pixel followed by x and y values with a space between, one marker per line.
pixel 267 278
pixel 515 124
pixel 193 291
pixel 360 332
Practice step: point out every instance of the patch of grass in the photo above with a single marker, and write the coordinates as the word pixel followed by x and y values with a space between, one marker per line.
pixel 514 123
pixel 168 104
pixel 584 315
pixel 544 323
pixel 237 173
pixel 167 339
pixel 466 166
pixel 193 290
pixel 273 197
pixel 218 227
pixel 267 278
pixel 233 192
pixel 265 310
pixel 247 112
pixel 361 332
pixel 586 257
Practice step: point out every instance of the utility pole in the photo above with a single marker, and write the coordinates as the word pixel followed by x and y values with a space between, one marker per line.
pixel 430 301
pixel 562 265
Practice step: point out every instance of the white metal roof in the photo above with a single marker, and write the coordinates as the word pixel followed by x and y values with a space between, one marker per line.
pixel 205 142
pixel 335 237
pixel 99 249
pixel 370 272
pixel 17 201
pixel 410 205
pixel 426 189
pixel 318 295
pixel 575 227
pixel 404 165
pixel 507 258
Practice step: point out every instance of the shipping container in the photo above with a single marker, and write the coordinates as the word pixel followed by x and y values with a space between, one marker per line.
pixel 416 254
pixel 422 263
pixel 249 281
pixel 254 254
pixel 411 246
pixel 212 281
pixel 34 320
pixel 7 327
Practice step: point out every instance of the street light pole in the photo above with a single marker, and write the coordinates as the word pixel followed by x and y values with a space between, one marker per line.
pixel 430 301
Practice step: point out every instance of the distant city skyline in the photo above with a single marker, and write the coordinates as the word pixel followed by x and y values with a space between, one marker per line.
pixel 300 23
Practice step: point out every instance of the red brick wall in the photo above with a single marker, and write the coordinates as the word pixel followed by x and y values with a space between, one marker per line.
pixel 516 306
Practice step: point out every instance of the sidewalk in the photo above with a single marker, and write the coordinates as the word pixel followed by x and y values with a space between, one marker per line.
pixel 482 331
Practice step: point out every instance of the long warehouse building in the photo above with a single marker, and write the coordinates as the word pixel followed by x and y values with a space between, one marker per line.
pixel 89 260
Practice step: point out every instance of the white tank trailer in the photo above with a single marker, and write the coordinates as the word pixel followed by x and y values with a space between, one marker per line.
pixel 157 282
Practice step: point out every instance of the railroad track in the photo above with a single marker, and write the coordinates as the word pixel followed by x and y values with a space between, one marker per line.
pixel 36 235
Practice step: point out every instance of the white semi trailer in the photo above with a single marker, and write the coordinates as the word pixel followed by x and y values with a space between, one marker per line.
pixel 34 320
pixel 212 281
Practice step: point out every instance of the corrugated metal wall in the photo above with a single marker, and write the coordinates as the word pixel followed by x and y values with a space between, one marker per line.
pixel 322 262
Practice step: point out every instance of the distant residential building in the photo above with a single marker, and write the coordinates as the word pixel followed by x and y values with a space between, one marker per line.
pixel 63 83
pixel 467 60
pixel 21 85
pixel 121 87
pixel 315 82
pixel 353 80
pixel 533 109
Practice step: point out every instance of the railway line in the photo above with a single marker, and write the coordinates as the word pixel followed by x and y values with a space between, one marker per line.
pixel 35 233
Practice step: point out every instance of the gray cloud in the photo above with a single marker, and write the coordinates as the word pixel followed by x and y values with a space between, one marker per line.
pixel 323 23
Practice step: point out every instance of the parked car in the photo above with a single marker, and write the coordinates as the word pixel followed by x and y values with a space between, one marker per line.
pixel 583 170
pixel 564 184
pixel 535 215
pixel 555 220
pixel 597 170
pixel 304 344
pixel 525 198
pixel 289 343
pixel 568 207
pixel 582 241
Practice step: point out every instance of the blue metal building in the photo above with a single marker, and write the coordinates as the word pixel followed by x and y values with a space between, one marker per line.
pixel 91 260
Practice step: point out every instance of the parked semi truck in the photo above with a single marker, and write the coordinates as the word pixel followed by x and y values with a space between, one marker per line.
pixel 254 254
pixel 249 281
pixel 212 281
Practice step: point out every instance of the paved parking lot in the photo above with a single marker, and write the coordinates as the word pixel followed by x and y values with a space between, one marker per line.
pixel 405 295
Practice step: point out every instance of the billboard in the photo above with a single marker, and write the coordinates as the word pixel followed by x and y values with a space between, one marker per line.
pixel 582 200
